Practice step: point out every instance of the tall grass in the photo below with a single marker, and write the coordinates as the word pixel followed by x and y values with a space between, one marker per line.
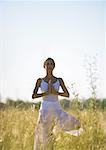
pixel 17 129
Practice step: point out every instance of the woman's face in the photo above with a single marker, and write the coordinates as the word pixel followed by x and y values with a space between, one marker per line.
pixel 49 65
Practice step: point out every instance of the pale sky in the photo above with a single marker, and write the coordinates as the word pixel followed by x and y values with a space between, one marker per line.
pixel 67 31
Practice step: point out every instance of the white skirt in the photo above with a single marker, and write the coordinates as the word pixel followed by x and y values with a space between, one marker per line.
pixel 52 119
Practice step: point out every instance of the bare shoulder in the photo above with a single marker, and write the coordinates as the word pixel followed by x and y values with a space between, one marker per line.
pixel 38 82
pixel 61 80
pixel 39 79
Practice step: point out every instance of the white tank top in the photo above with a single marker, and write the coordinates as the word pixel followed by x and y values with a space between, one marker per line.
pixel 50 97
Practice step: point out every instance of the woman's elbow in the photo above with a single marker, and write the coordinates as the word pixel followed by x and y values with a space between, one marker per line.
pixel 67 94
pixel 34 96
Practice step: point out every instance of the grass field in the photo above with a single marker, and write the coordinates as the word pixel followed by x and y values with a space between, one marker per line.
pixel 17 131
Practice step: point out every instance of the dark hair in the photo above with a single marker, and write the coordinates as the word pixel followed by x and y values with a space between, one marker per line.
pixel 47 60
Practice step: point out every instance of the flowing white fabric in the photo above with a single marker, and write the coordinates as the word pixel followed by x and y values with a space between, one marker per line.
pixel 52 118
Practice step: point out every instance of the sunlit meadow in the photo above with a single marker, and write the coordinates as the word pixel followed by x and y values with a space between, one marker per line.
pixel 17 129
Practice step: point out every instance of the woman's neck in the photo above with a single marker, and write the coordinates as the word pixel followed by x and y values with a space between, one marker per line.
pixel 49 75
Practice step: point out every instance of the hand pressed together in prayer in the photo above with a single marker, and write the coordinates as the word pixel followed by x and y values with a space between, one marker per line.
pixel 51 89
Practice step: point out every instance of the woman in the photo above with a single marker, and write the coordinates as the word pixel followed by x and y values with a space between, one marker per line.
pixel 52 118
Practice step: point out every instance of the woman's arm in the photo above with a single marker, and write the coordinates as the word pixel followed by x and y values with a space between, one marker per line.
pixel 65 92
pixel 37 85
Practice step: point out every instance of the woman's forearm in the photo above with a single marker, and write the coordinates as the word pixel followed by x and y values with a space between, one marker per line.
pixel 63 94
pixel 55 92
pixel 34 95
